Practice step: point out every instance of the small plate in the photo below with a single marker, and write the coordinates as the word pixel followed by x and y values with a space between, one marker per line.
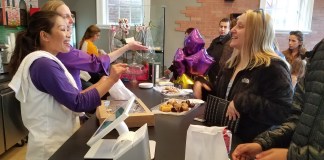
pixel 187 90
pixel 145 85
pixel 181 92
pixel 156 109
pixel 196 101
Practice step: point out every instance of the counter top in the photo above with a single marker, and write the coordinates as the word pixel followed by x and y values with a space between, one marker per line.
pixel 169 131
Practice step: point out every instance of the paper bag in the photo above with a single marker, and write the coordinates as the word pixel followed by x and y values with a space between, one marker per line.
pixel 205 143
pixel 119 92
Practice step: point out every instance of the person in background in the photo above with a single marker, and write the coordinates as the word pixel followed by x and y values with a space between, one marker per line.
pixel 294 55
pixel 76 60
pixel 301 136
pixel 87 45
pixel 255 80
pixel 220 46
pixel 172 68
pixel 220 50
pixel 91 35
pixel 49 97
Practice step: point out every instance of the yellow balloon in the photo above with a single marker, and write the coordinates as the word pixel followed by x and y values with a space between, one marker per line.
pixel 185 81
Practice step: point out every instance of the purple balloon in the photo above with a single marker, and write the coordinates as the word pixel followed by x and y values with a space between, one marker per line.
pixel 193 43
pixel 178 61
pixel 198 64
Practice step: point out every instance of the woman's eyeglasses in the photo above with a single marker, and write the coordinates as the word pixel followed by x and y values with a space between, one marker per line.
pixel 65 16
pixel 260 10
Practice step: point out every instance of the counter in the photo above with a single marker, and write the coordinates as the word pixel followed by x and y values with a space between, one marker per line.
pixel 169 131
pixel 12 130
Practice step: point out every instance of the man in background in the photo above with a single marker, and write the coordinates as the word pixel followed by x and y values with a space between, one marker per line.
pixel 221 51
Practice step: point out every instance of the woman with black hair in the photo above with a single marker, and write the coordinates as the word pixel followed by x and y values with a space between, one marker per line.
pixel 49 97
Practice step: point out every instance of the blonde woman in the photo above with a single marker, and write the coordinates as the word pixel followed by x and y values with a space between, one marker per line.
pixel 76 60
pixel 255 79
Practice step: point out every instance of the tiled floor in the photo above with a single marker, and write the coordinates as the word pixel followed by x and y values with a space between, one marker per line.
pixel 14 153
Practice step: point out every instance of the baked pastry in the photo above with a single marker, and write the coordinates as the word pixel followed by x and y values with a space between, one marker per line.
pixel 174 105
pixel 166 108
pixel 185 108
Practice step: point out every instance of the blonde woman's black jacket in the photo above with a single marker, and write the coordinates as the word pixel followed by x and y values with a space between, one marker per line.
pixel 304 130
pixel 261 95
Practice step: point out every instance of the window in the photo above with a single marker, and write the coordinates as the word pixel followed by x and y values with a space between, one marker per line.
pixel 290 15
pixel 110 11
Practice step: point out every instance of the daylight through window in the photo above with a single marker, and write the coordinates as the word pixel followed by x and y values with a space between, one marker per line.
pixel 290 15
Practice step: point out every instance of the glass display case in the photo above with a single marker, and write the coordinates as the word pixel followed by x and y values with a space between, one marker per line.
pixel 151 35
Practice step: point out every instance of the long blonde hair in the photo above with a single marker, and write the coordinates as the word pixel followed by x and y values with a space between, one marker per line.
pixel 52 5
pixel 258 41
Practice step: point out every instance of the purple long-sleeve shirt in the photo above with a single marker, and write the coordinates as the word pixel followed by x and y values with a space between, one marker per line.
pixel 49 77
pixel 77 60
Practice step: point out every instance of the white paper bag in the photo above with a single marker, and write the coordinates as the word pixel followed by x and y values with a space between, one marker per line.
pixel 205 143
pixel 119 92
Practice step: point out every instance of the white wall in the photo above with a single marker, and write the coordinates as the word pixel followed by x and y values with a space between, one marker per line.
pixel 173 39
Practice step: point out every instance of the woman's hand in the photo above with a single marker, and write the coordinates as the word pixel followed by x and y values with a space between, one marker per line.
pixel 275 153
pixel 246 151
pixel 232 113
pixel 205 86
pixel 197 89
pixel 106 82
pixel 116 70
pixel 167 72
pixel 135 45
